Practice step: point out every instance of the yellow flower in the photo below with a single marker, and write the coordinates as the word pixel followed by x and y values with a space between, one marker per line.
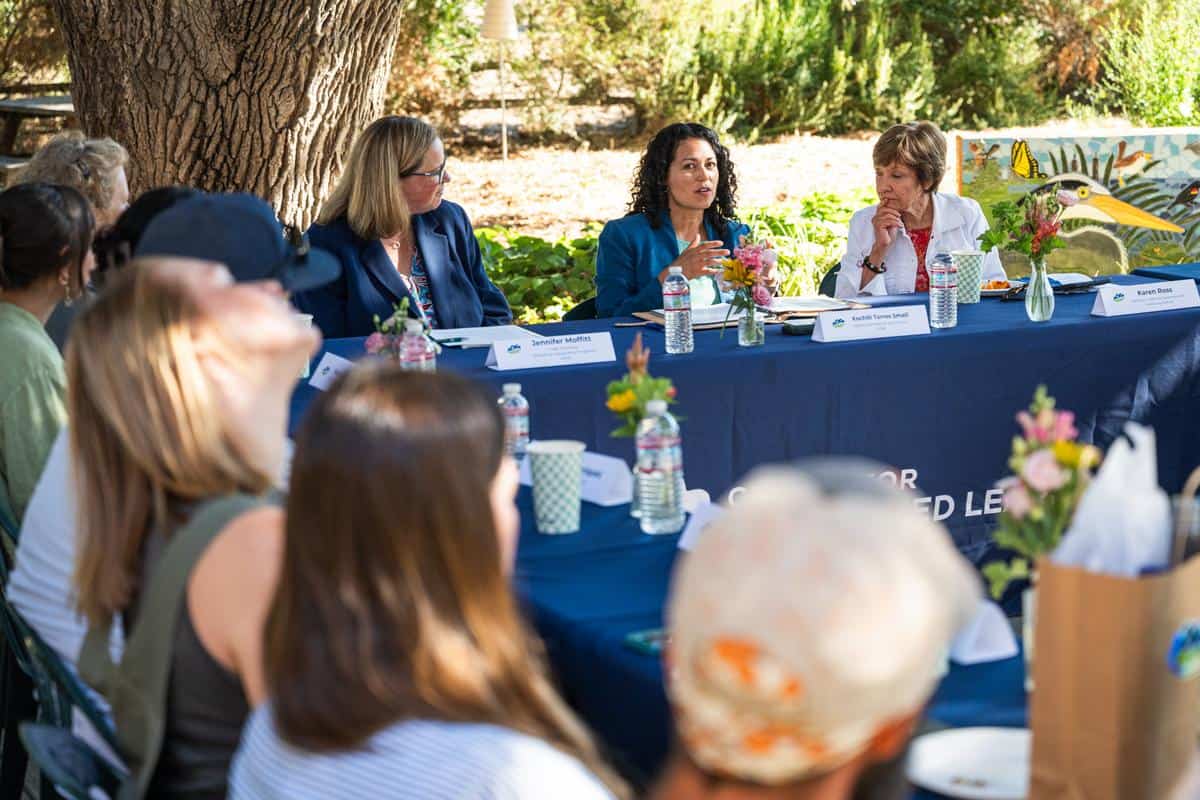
pixel 734 272
pixel 622 401
pixel 1075 455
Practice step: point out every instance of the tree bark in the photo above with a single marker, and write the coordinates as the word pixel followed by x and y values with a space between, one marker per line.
pixel 261 96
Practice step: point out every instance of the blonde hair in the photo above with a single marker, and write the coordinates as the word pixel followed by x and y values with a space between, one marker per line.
pixel 146 430
pixel 920 146
pixel 368 194
pixel 72 159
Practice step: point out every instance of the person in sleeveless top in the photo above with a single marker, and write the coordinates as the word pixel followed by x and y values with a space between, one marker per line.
pixel 179 381
pixel 395 656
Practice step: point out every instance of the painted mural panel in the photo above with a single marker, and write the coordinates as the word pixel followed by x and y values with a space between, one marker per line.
pixel 1138 193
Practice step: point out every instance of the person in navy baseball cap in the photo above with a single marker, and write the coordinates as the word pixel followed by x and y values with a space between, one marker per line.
pixel 242 232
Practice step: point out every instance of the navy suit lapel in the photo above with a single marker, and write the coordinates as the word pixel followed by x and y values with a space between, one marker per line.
pixel 435 252
pixel 377 263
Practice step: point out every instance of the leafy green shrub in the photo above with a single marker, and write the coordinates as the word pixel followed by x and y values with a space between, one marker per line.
pixel 1154 74
pixel 545 279
pixel 436 52
pixel 770 66
pixel 541 279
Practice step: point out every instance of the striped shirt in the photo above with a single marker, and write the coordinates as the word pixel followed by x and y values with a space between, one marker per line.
pixel 419 759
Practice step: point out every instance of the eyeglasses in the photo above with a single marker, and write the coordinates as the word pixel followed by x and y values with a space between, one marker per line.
pixel 439 173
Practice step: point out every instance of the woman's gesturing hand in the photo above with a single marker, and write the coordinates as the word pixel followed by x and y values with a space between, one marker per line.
pixel 699 259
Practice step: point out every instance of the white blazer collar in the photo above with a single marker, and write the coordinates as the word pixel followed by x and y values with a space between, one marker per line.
pixel 947 214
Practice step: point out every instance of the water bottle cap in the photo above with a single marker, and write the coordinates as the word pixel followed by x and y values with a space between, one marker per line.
pixel 512 388
pixel 413 326
pixel 675 270
pixel 656 407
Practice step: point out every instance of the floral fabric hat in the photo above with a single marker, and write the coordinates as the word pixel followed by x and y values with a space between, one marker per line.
pixel 803 622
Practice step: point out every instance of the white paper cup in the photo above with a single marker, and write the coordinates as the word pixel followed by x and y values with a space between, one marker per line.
pixel 307 319
pixel 557 469
pixel 970 274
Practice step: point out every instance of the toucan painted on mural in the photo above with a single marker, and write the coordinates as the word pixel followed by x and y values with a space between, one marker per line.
pixel 1089 199
pixel 1188 196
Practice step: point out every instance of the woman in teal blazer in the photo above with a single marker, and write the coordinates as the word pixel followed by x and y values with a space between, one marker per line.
pixel 682 214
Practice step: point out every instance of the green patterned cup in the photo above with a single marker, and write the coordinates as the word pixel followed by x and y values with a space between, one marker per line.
pixel 557 469
pixel 970 274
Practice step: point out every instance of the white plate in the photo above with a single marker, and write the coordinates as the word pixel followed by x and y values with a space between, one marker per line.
pixel 973 763
pixel 995 292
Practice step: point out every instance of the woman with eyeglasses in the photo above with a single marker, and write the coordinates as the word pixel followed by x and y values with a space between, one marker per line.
pixel 396 237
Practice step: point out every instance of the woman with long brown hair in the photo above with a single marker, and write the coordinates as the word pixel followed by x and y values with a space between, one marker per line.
pixel 178 388
pixel 395 656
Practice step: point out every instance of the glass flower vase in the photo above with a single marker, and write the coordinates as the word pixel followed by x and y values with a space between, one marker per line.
pixel 1039 295
pixel 751 330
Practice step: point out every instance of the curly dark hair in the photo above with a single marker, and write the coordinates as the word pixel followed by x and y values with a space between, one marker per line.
pixel 650 180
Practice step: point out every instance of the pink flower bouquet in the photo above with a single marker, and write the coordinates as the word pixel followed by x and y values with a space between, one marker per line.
pixel 1051 471
pixel 749 273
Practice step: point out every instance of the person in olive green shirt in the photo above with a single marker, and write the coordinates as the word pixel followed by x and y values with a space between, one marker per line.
pixel 45 258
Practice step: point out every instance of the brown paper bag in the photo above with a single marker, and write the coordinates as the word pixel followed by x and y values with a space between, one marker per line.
pixel 1113 713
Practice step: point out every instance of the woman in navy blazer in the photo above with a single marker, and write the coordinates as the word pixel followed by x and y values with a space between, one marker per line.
pixel 682 214
pixel 395 237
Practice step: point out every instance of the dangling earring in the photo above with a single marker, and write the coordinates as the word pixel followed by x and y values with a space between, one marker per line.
pixel 66 284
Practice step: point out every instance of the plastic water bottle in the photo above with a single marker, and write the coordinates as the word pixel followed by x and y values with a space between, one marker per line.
pixel 659 471
pixel 677 309
pixel 943 292
pixel 515 410
pixel 416 351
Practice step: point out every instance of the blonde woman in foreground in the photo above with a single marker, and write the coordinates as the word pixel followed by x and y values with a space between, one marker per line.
pixel 179 381
pixel 396 659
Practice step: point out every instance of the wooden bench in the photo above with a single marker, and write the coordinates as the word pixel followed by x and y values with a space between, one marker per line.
pixel 8 167
pixel 14 111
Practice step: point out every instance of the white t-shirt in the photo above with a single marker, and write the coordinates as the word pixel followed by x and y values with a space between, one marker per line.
pixel 426 759
pixel 41 587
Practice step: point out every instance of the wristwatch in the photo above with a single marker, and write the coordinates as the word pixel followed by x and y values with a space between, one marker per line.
pixel 878 270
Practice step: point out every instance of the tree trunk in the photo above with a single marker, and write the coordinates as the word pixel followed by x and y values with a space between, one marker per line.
pixel 261 96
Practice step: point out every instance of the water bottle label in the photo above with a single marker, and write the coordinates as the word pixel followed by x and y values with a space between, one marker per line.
pixel 676 301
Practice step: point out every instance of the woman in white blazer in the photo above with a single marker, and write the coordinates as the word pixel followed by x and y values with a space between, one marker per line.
pixel 890 242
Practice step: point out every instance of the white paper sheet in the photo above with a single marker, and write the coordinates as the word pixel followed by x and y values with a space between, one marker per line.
pixel 988 637
pixel 481 337
pixel 781 304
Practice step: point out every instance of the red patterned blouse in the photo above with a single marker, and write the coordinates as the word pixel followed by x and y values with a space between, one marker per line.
pixel 920 239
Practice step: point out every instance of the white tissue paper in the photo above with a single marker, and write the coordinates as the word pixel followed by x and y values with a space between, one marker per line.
pixel 988 637
pixel 1123 523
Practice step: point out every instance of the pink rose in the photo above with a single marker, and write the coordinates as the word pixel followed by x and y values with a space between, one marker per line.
pixel 1016 500
pixel 375 343
pixel 1042 472
pixel 762 297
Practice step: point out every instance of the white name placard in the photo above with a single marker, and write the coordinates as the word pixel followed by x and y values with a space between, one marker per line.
pixel 870 323
pixel 552 351
pixel 607 481
pixel 1117 301
pixel 328 368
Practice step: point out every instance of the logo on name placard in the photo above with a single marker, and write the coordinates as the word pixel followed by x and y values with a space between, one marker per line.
pixel 839 323
pixel 1118 297
pixel 513 348
pixel 1183 658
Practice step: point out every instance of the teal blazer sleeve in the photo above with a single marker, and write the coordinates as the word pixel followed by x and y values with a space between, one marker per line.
pixel 629 256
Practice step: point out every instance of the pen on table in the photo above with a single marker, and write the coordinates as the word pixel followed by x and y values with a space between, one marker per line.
pixel 452 340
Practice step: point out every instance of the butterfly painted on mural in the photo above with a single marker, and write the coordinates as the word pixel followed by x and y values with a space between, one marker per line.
pixel 1188 197
pixel 1023 162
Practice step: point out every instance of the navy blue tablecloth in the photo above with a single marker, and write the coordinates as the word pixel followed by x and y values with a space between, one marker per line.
pixel 939 406
pixel 1171 272
pixel 587 591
